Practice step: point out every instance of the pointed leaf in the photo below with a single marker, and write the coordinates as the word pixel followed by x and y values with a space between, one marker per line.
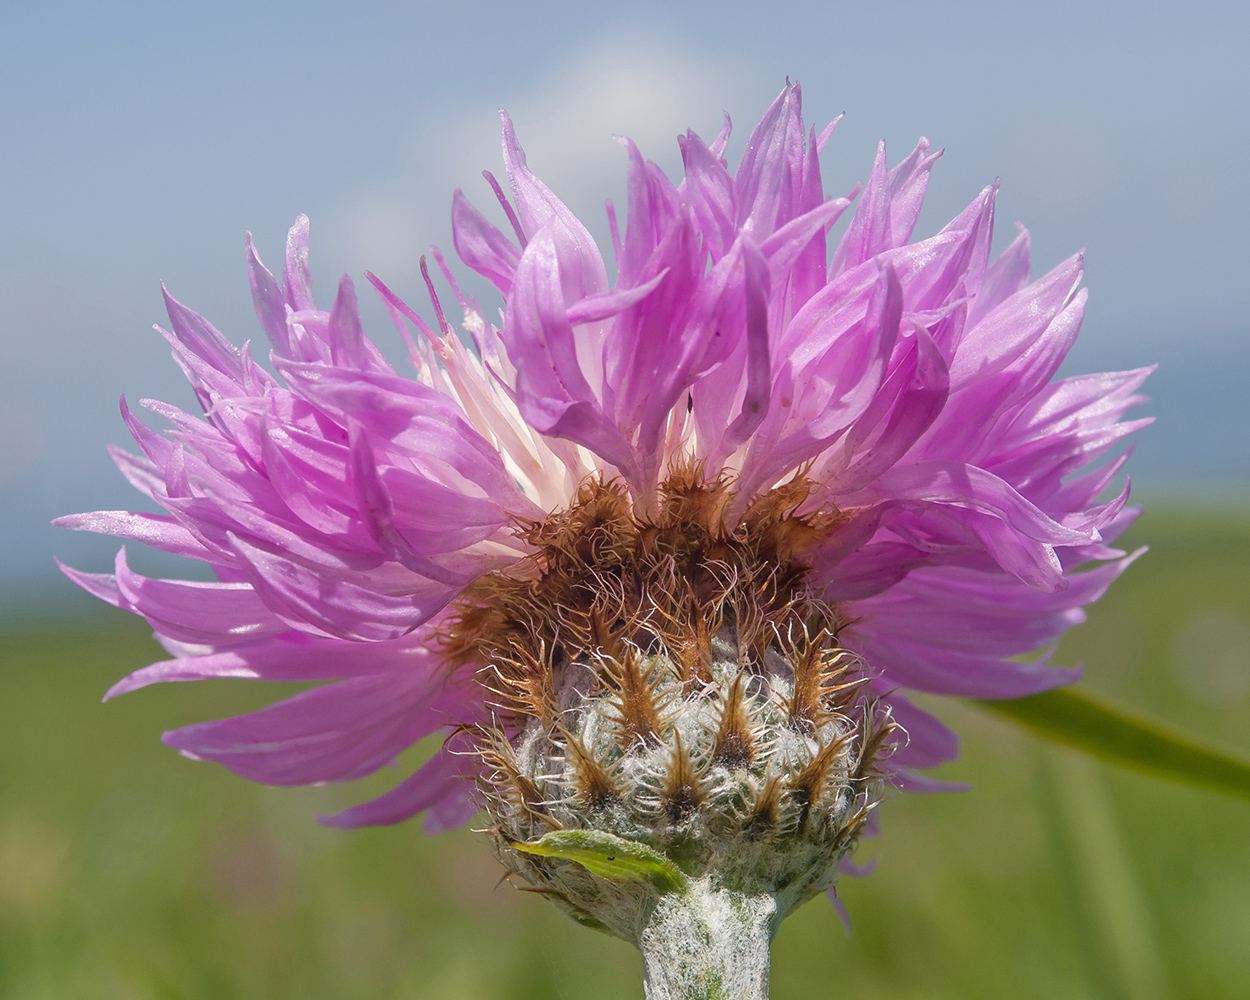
pixel 608 856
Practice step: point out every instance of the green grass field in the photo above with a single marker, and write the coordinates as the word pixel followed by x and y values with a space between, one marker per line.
pixel 129 872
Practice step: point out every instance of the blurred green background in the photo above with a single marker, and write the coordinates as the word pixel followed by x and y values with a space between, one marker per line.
pixel 129 872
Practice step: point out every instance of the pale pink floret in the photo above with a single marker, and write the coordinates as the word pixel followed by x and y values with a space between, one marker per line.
pixel 346 505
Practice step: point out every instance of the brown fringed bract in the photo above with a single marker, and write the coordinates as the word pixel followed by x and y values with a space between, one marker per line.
pixel 667 582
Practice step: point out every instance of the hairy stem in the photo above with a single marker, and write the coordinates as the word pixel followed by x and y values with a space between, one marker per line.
pixel 707 943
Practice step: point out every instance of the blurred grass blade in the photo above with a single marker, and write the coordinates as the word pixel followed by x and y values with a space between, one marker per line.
pixel 1075 718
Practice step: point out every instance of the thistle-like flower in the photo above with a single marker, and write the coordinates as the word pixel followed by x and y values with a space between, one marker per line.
pixel 661 554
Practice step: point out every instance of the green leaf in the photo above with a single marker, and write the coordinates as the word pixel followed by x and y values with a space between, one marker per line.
pixel 1076 718
pixel 607 856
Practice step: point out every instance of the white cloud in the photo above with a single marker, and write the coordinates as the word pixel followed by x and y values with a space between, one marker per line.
pixel 640 85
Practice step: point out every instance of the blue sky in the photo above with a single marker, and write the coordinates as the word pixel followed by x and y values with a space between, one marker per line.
pixel 138 142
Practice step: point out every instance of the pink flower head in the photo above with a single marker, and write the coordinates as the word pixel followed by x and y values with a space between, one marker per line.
pixel 344 506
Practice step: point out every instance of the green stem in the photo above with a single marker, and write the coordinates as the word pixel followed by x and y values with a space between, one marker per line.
pixel 706 943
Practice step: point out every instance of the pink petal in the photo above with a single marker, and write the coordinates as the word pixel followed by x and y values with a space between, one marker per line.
pixel 296 275
pixel 157 530
pixel 929 743
pixel 338 732
pixel 1008 274
pixel 481 245
pixel 361 605
pixel 440 786
pixel 267 300
pixel 290 656
pixel 582 265
pixel 196 612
